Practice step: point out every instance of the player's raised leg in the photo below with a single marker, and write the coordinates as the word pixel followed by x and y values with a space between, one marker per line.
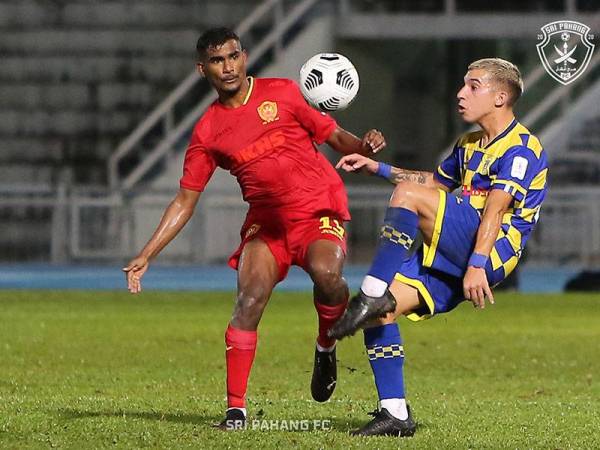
pixel 384 348
pixel 258 273
pixel 324 263
pixel 412 207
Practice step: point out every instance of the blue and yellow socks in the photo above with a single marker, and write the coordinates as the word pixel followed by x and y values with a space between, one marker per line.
pixel 397 234
pixel 386 356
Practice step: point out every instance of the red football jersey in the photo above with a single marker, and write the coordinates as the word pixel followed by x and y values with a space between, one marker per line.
pixel 268 144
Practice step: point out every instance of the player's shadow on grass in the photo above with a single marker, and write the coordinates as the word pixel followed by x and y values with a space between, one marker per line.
pixel 195 419
pixel 339 425
pixel 347 425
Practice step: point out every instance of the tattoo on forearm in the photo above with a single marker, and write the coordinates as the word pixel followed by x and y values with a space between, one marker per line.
pixel 415 176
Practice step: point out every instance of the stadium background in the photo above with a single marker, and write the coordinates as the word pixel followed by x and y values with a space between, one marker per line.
pixel 97 102
pixel 99 99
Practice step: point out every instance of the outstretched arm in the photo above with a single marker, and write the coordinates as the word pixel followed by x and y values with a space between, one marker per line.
pixel 345 142
pixel 173 220
pixel 475 283
pixel 356 162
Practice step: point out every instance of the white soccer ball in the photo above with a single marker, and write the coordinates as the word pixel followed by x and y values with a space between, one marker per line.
pixel 329 81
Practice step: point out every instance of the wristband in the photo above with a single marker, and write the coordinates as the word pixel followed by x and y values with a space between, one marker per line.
pixel 384 170
pixel 477 260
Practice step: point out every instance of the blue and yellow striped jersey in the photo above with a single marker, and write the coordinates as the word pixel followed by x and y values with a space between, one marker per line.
pixel 514 162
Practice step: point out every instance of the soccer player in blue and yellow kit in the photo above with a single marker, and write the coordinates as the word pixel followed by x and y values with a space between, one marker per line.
pixel 470 242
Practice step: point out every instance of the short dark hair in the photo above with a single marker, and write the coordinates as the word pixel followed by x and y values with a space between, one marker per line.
pixel 214 37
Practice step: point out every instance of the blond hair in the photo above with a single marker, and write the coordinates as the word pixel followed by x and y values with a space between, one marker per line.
pixel 503 72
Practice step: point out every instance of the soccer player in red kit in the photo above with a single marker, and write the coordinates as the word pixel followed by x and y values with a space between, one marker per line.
pixel 263 132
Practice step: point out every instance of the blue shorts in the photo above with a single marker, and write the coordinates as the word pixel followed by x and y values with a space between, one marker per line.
pixel 437 270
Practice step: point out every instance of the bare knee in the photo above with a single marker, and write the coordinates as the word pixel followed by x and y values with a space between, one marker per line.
pixel 404 195
pixel 249 307
pixel 330 286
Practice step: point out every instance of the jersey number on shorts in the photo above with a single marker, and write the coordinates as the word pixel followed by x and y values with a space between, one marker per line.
pixel 332 226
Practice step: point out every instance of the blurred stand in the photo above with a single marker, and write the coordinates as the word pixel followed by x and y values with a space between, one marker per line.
pixel 99 99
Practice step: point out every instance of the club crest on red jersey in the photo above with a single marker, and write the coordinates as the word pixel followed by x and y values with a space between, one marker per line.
pixel 267 111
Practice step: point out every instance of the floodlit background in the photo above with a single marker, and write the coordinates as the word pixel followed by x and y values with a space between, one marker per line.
pixel 99 97
pixel 97 100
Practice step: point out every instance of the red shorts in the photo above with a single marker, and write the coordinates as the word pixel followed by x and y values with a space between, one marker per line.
pixel 289 241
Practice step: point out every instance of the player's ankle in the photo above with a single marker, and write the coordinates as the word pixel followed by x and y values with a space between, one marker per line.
pixel 373 287
pixel 327 349
pixel 396 407
pixel 243 410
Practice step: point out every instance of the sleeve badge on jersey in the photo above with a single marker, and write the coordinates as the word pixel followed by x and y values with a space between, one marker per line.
pixel 267 111
pixel 519 167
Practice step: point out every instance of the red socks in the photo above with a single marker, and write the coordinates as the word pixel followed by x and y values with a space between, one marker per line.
pixel 240 351
pixel 241 348
pixel 328 315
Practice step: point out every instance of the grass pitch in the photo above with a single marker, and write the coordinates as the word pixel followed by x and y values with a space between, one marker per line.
pixel 106 369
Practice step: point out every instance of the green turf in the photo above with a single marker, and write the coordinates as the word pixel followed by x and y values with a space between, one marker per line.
pixel 101 369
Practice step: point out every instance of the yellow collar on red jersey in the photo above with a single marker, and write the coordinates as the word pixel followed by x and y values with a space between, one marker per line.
pixel 247 97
